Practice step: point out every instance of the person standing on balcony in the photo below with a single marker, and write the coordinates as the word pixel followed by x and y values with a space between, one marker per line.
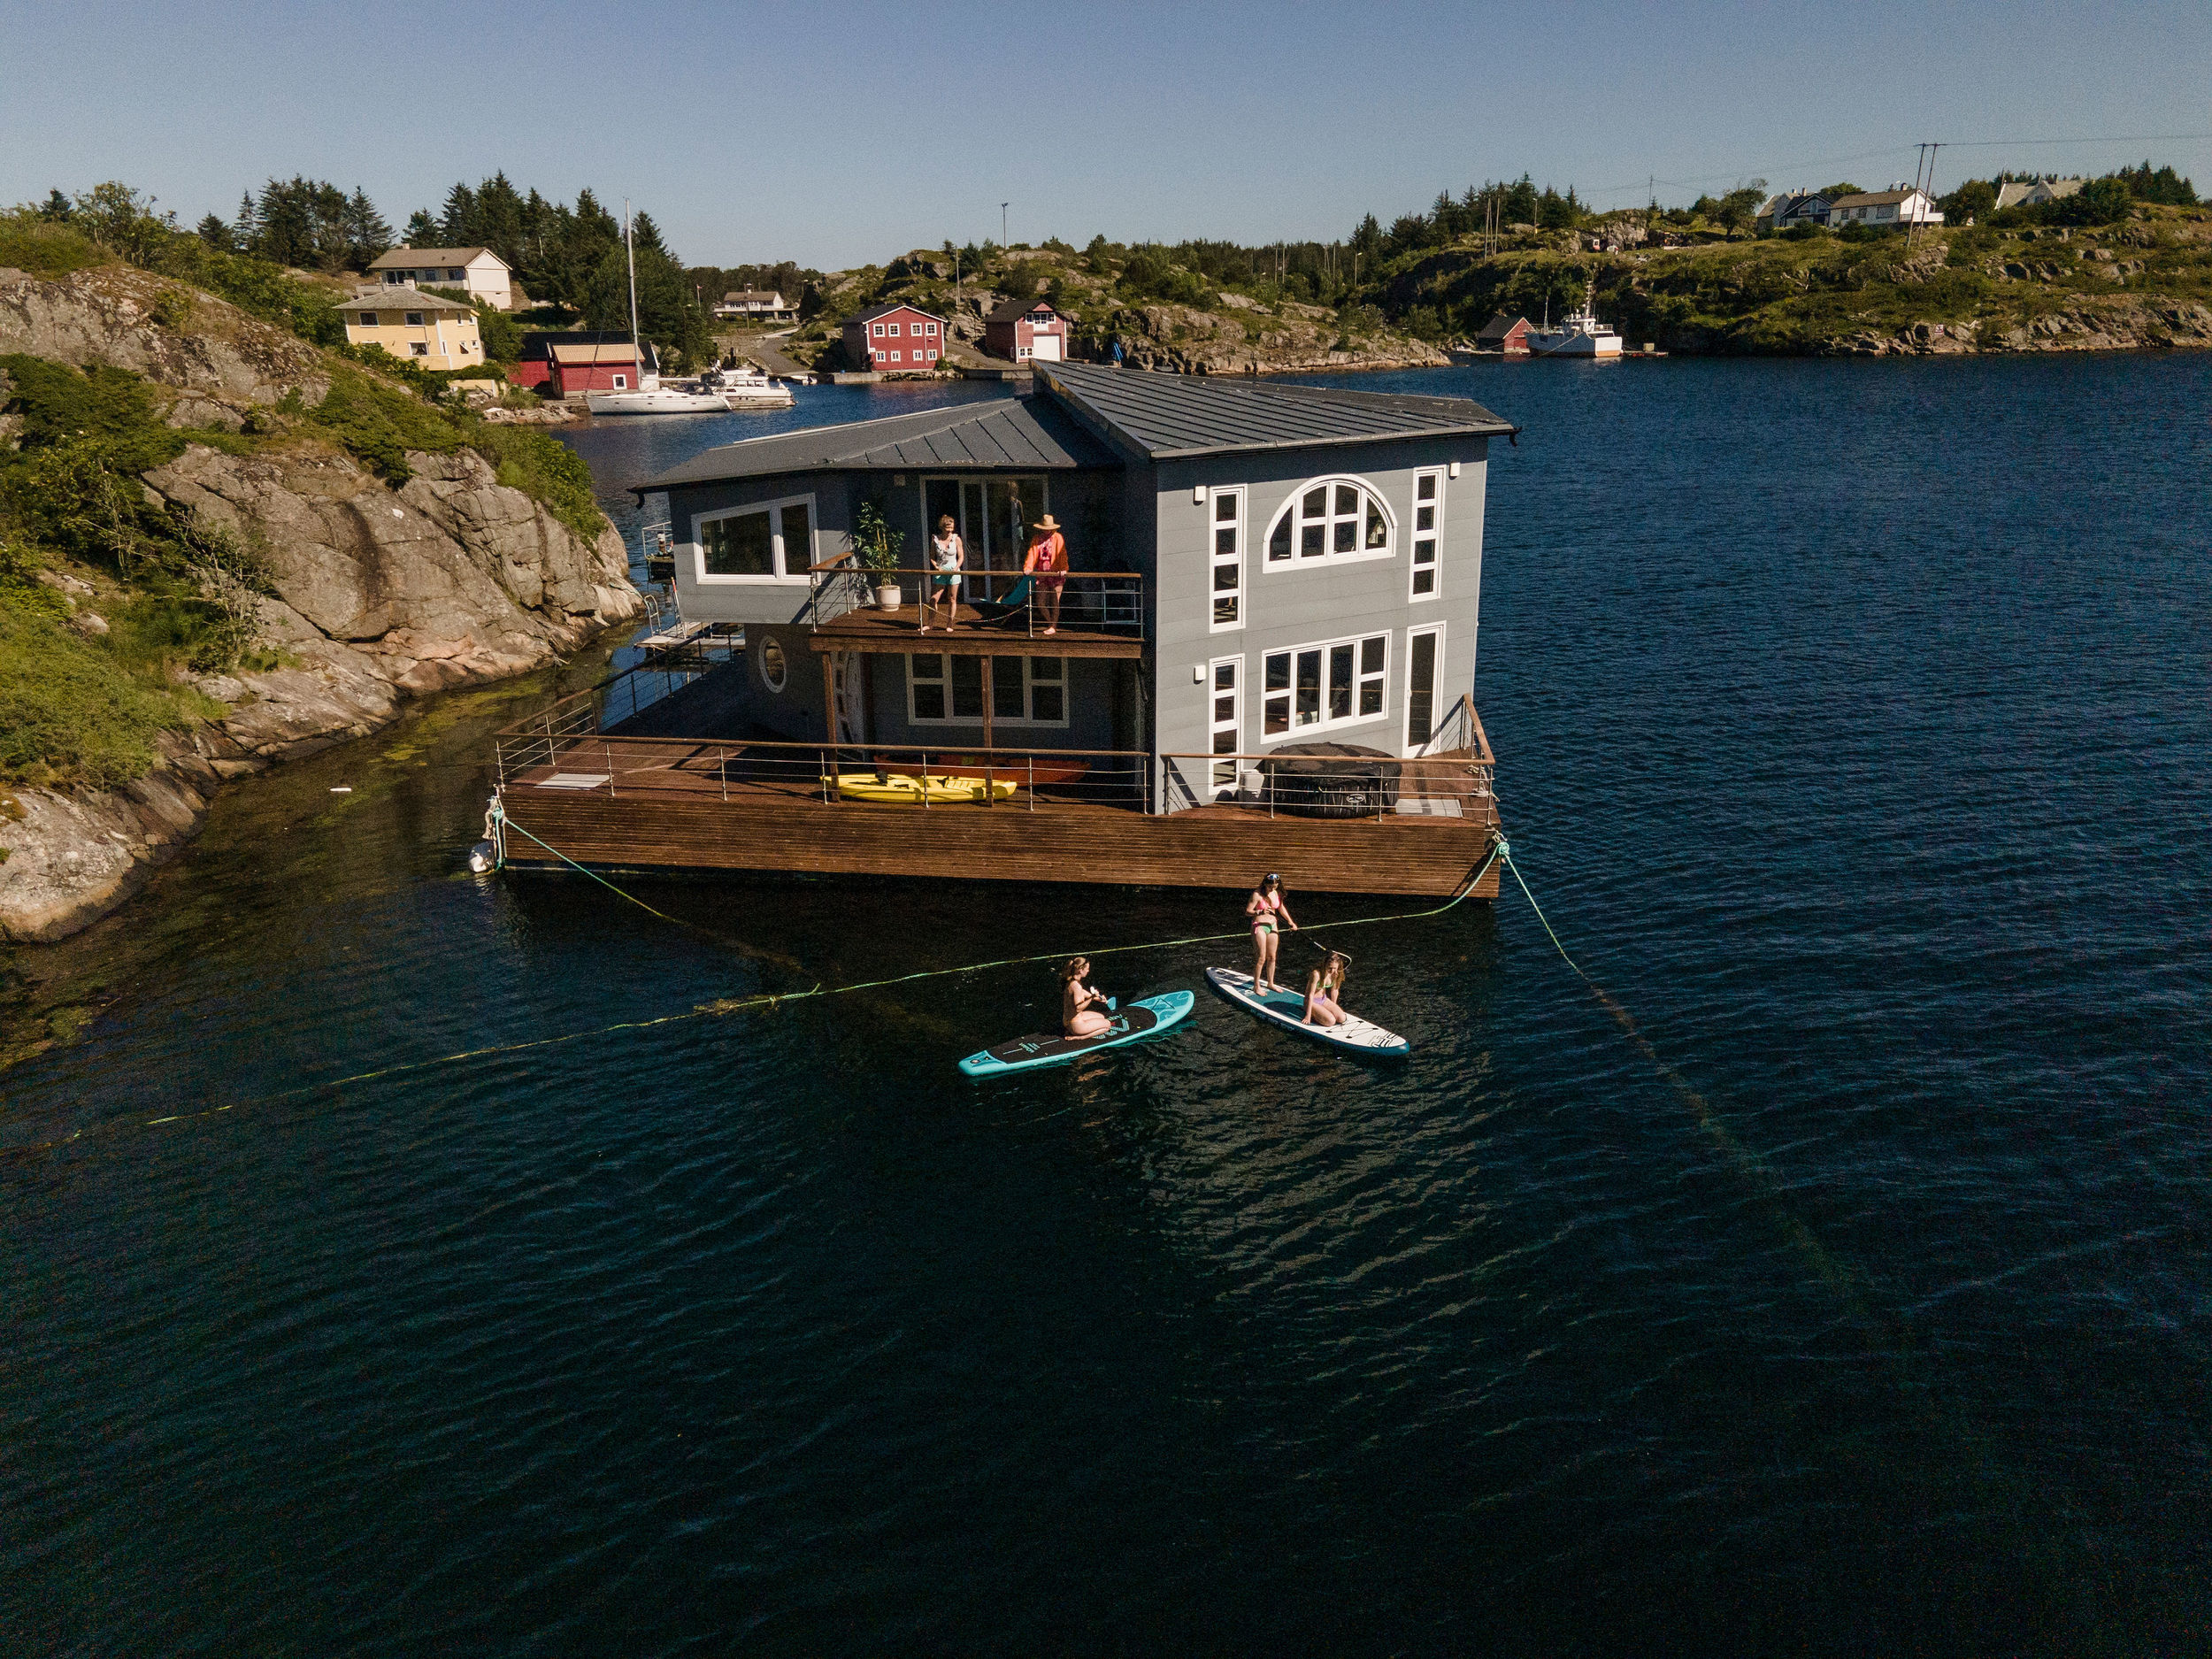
pixel 1047 561
pixel 946 555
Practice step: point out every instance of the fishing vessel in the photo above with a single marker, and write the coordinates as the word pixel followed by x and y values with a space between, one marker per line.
pixel 1579 336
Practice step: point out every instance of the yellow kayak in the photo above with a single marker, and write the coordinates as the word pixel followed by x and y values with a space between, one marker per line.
pixel 903 790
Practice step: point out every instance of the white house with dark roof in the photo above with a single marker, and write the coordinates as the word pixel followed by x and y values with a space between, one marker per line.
pixel 480 272
pixel 1893 209
pixel 1793 207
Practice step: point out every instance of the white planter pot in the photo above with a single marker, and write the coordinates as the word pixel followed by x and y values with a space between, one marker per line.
pixel 888 597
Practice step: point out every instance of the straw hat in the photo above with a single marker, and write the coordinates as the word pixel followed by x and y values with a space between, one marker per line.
pixel 1046 523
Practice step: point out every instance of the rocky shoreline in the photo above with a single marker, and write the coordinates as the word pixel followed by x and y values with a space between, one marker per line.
pixel 381 594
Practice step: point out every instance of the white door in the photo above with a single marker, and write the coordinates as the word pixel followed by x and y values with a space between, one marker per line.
pixel 1226 722
pixel 1046 346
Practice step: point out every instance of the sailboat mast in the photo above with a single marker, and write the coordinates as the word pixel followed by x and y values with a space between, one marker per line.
pixel 629 249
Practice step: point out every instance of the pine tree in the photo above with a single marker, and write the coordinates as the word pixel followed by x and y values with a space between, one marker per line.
pixel 422 229
pixel 367 235
pixel 216 233
pixel 56 209
pixel 648 234
pixel 498 223
pixel 458 226
pixel 245 230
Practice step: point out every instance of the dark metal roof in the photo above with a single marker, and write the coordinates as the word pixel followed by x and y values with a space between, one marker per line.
pixel 1161 416
pixel 885 310
pixel 1013 434
pixel 1018 307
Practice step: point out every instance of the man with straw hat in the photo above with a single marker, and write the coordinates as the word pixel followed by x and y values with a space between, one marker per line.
pixel 1046 563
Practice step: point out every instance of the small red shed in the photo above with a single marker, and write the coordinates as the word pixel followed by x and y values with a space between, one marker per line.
pixel 1023 331
pixel 1509 334
pixel 893 339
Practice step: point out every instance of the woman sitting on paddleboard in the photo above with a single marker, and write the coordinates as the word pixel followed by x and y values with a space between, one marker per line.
pixel 1080 1005
pixel 1266 909
pixel 1323 987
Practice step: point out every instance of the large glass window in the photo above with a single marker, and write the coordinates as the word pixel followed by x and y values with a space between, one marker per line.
pixel 765 543
pixel 1228 559
pixel 1423 647
pixel 1312 687
pixel 946 690
pixel 993 516
pixel 1333 518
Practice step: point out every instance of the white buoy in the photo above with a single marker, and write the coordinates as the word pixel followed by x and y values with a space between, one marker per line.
pixel 481 858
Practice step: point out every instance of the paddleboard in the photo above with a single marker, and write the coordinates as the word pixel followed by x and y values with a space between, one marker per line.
pixel 1146 1019
pixel 1288 1009
pixel 904 790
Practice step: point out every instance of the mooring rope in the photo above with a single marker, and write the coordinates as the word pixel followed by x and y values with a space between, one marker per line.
pixel 722 1006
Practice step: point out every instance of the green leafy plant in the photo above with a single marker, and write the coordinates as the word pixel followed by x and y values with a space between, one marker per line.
pixel 873 541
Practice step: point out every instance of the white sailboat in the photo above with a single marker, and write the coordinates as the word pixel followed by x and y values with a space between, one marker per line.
pixel 1580 335
pixel 651 398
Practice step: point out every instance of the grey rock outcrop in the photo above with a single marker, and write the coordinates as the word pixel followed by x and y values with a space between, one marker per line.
pixel 381 593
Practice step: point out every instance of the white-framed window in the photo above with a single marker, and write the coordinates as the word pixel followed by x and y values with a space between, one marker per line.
pixel 932 331
pixel 1021 351
pixel 1428 534
pixel 932 354
pixel 1330 683
pixel 414 320
pixel 877 330
pixel 895 331
pixel 1424 671
pixel 1227 560
pixel 620 382
pixel 1225 720
pixel 775 672
pixel 765 542
pixel 942 689
pixel 1331 518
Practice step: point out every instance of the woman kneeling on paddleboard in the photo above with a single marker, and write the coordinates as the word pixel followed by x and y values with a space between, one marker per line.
pixel 1079 1015
pixel 1266 907
pixel 1323 987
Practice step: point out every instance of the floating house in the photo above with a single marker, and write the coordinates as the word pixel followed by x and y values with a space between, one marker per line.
pixel 893 339
pixel 1259 653
pixel 1019 330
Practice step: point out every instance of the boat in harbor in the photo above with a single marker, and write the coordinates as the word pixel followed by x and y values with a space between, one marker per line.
pixel 717 392
pixel 1579 336
pixel 742 386
pixel 682 397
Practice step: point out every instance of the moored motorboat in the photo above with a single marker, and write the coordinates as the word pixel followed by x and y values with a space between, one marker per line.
pixel 745 386
pixel 1580 335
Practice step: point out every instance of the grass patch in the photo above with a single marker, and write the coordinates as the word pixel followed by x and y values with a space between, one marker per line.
pixel 378 423
pixel 70 711
pixel 47 251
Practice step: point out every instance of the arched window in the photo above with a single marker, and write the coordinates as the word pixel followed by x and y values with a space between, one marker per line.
pixel 1332 519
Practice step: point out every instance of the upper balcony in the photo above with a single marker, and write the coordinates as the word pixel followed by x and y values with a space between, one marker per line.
pixel 998 613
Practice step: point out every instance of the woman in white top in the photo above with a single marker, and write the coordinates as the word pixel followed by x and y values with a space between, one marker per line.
pixel 947 557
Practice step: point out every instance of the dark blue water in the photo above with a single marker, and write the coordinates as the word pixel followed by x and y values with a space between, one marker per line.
pixel 1853 732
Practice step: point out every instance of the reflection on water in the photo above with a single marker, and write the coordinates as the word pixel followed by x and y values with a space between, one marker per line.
pixel 1883 816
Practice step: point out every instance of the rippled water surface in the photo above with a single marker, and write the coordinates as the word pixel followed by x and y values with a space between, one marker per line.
pixel 1855 731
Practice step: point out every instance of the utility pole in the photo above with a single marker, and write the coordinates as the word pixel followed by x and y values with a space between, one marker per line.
pixel 1925 164
pixel 1001 224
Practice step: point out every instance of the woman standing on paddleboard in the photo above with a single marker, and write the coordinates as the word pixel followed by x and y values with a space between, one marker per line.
pixel 1266 908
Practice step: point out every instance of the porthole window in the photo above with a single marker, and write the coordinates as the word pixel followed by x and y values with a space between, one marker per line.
pixel 774 672
pixel 1331 518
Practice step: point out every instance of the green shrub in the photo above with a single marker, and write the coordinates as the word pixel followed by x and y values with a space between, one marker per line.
pixel 69 710
pixel 114 406
pixel 46 250
pixel 380 423
pixel 545 469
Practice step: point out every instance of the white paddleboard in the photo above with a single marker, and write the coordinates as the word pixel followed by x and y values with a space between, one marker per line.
pixel 1288 1009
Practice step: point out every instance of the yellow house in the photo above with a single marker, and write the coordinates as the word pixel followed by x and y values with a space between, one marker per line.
pixel 429 330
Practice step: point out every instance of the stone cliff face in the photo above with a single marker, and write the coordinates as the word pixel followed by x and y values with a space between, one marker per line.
pixel 381 593
pixel 1243 337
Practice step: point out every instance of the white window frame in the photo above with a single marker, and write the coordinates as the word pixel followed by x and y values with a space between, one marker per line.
pixel 895 331
pixel 876 329
pixel 1406 746
pixel 785 571
pixel 1030 680
pixel 1433 534
pixel 1215 559
pixel 619 382
pixel 1293 508
pixel 1216 728
pixel 1379 677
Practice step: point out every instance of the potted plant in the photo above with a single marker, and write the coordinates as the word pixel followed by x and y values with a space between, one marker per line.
pixel 876 545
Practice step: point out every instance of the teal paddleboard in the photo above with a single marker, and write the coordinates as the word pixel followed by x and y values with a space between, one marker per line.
pixel 1142 1019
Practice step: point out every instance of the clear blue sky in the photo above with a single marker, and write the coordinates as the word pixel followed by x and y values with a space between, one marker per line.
pixel 834 133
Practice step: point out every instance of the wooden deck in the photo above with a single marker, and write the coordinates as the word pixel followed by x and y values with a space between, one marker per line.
pixel 641 804
pixel 900 630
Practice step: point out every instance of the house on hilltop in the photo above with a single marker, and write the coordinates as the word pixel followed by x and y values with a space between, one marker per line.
pixel 1893 209
pixel 1793 207
pixel 429 330
pixel 481 273
pixel 894 339
pixel 1020 330
pixel 2035 192
pixel 756 304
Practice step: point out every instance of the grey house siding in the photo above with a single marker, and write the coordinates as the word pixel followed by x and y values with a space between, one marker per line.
pixel 786 601
pixel 1287 608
